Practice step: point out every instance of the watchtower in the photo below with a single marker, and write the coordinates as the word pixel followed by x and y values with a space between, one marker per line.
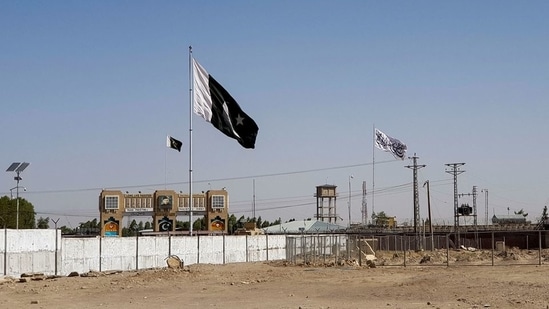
pixel 326 198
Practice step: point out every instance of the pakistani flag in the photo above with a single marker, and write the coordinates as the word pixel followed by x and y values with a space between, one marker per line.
pixel 173 143
pixel 217 106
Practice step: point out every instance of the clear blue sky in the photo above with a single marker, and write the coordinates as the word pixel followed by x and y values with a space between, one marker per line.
pixel 89 90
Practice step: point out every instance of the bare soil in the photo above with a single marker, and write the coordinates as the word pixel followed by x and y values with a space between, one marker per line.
pixel 424 283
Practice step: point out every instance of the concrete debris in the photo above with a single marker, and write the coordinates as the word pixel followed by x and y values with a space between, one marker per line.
pixel 32 275
pixel 6 280
pixel 26 277
pixel 468 248
pixel 425 259
pixel 91 274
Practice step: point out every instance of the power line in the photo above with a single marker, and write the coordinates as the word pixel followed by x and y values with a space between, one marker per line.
pixel 209 180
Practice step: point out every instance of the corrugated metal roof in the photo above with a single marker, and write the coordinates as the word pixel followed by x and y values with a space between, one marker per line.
pixel 306 226
pixel 506 217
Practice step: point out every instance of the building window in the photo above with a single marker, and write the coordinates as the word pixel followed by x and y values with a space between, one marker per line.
pixel 218 201
pixel 111 202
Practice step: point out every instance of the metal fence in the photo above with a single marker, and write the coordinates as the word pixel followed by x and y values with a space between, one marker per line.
pixel 465 249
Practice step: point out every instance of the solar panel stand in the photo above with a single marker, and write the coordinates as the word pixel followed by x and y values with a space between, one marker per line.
pixel 17 167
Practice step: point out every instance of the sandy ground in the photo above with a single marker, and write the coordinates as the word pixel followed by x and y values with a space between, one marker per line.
pixel 280 285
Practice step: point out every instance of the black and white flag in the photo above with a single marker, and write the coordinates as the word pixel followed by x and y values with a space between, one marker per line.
pixel 173 143
pixel 390 144
pixel 213 103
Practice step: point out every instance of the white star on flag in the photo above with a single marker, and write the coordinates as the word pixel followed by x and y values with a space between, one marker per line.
pixel 239 120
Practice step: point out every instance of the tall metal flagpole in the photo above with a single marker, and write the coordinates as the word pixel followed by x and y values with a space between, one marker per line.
pixel 373 169
pixel 165 166
pixel 191 140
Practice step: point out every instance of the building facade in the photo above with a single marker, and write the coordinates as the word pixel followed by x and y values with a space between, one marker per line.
pixel 163 206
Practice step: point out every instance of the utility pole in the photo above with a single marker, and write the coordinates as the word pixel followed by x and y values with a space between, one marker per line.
pixel 415 167
pixel 350 177
pixel 486 222
pixel 455 171
pixel 430 218
pixel 474 195
pixel 253 205
pixel 475 206
pixel 364 205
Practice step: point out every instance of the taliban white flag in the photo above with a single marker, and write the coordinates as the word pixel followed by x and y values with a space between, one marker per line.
pixel 217 106
pixel 390 144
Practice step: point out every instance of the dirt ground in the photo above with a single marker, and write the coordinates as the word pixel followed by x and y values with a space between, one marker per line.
pixel 424 283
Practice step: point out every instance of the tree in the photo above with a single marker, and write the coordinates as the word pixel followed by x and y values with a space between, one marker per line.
pixel 89 227
pixel 380 219
pixel 131 230
pixel 183 225
pixel 199 224
pixel 8 212
pixel 67 230
pixel 43 223
pixel 231 227
pixel 93 224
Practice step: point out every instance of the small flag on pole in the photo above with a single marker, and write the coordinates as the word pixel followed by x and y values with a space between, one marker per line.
pixel 390 144
pixel 174 143
pixel 213 103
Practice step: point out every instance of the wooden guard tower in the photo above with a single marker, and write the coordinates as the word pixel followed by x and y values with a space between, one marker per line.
pixel 326 198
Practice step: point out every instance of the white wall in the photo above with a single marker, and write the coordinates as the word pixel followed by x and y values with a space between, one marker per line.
pixel 79 254
pixel 24 251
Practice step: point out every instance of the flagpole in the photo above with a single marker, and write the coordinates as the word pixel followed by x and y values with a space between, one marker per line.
pixel 165 166
pixel 373 168
pixel 190 141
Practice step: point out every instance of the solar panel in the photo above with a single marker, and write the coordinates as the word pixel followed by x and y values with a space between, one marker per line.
pixel 21 167
pixel 13 166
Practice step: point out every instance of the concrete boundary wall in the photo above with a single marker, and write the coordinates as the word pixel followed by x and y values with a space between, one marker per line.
pixel 45 251
pixel 26 251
